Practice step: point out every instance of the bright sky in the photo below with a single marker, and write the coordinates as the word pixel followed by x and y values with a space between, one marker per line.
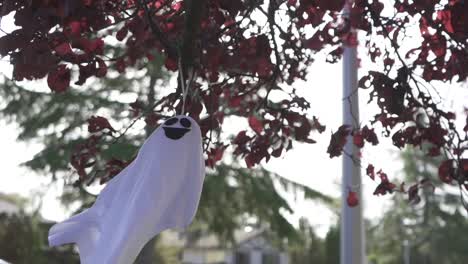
pixel 306 164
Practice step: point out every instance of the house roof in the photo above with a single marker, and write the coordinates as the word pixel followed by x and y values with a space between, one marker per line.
pixel 243 239
pixel 10 204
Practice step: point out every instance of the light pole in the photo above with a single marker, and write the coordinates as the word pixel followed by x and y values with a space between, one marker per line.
pixel 352 248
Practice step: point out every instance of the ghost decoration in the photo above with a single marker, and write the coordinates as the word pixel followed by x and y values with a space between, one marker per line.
pixel 159 190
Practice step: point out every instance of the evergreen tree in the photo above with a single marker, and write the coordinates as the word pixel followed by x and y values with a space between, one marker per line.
pixel 23 238
pixel 427 229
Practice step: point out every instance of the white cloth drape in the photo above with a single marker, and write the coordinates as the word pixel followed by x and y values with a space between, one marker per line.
pixel 160 189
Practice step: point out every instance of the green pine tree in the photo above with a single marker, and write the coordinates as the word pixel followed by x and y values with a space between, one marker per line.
pixel 428 231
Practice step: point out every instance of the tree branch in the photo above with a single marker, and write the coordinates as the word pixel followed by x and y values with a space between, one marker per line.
pixel 193 14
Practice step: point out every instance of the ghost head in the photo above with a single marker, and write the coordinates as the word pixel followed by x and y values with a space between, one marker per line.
pixel 160 189
pixel 175 128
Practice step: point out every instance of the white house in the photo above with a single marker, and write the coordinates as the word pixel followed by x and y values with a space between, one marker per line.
pixel 251 248
pixel 8 204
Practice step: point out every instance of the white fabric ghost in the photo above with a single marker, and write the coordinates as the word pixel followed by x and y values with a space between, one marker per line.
pixel 160 189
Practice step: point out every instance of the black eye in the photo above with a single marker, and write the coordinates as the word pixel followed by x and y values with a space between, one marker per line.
pixel 171 121
pixel 185 122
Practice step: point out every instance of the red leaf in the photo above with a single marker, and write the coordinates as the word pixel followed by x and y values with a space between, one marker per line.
pixel 338 140
pixel 215 155
pixel 335 55
pixel 413 194
pixel 113 167
pixel 384 187
pixel 235 101
pixel 388 62
pixel 423 27
pixel 177 6
pixel 277 152
pixel 446 171
pixel 332 5
pixel 438 45
pixel 434 152
pixel 370 136
pixel 383 176
pixel 152 119
pixel 89 46
pixel 364 82
pixel 241 138
pixel 249 160
pixel 86 71
pixel 99 123
pixel 445 17
pixel 316 125
pixel 120 65
pixel 458 18
pixel 74 28
pixel 59 79
pixel 352 199
pixel 255 124
pixel 121 34
pixel 171 64
pixel 302 128
pixel 63 49
pixel 314 43
pixel 150 56
pixel 87 2
pixel 399 139
pixel 102 68
pixel 370 171
pixel 466 125
pixel 402 187
pixel 263 67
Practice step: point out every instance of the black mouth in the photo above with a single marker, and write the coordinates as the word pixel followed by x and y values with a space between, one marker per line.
pixel 175 132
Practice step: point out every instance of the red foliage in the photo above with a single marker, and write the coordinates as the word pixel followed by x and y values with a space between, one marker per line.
pixel 255 124
pixel 370 136
pixel 98 124
pixel 112 168
pixel 170 64
pixel 453 170
pixel 385 185
pixel 239 63
pixel 338 141
pixel 413 190
pixel 63 49
pixel 413 195
pixel 84 155
pixel 370 171
pixel 215 155
pixel 59 79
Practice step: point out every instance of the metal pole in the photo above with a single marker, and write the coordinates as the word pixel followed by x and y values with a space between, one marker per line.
pixel 406 252
pixel 352 246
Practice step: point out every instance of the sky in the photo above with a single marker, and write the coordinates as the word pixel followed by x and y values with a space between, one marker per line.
pixel 308 164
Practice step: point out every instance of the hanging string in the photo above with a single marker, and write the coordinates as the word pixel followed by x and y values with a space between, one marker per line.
pixel 183 84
